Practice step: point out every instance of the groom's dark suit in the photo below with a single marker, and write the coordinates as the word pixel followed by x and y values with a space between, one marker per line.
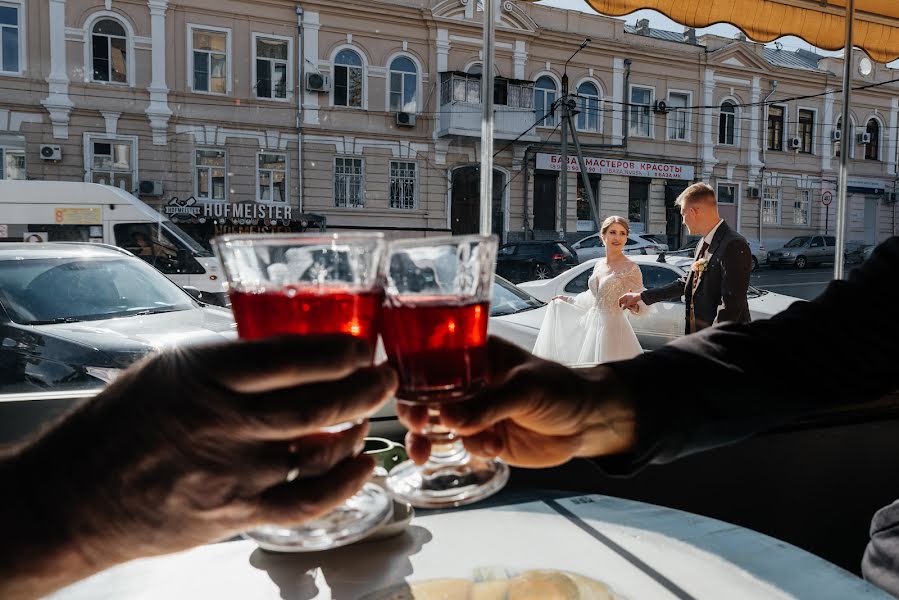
pixel 718 293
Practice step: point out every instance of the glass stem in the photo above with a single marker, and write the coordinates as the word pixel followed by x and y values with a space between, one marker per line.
pixel 446 447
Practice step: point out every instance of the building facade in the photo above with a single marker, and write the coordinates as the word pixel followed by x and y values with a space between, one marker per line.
pixel 368 113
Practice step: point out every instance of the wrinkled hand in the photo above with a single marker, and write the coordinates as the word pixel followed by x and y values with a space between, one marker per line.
pixel 630 301
pixel 194 446
pixel 534 413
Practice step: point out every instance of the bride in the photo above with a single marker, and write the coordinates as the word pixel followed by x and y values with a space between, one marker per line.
pixel 592 328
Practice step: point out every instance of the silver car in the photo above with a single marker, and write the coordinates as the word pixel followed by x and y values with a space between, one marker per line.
pixel 592 246
pixel 804 251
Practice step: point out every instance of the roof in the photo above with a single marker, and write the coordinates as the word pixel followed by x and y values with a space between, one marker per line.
pixel 798 59
pixel 21 250
pixel 661 34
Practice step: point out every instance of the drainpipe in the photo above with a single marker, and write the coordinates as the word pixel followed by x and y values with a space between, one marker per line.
pixel 299 116
pixel 764 169
pixel 525 197
pixel 626 112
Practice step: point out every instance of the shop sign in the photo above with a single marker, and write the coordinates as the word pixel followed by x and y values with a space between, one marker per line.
pixel 617 166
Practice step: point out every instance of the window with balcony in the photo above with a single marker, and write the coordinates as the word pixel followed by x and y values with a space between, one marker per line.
pixel 678 116
pixel 349 79
pixel 210 50
pixel 271 177
pixel 872 148
pixel 640 113
pixel 272 68
pixel 771 206
pixel 588 101
pixel 403 85
pixel 109 52
pixel 402 184
pixel 775 128
pixel 801 206
pixel 545 94
pixel 727 123
pixel 348 183
pixel 466 87
pixel 211 174
pixel 806 131
pixel 10 38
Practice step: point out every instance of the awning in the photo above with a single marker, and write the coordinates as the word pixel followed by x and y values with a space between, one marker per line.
pixel 821 23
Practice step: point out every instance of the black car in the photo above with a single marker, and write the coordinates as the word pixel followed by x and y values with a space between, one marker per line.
pixel 526 261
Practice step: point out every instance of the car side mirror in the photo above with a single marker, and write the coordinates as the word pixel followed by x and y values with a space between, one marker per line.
pixel 195 293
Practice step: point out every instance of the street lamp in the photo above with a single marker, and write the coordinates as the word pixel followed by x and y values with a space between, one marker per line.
pixel 566 120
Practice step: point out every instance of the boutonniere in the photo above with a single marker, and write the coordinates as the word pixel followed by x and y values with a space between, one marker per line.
pixel 700 265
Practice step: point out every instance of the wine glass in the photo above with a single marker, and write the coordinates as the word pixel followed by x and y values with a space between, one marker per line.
pixel 307 285
pixel 435 334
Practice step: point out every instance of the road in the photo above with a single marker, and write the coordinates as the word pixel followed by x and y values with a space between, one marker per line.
pixel 805 284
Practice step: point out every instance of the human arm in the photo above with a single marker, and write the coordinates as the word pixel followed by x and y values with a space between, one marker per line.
pixel 736 270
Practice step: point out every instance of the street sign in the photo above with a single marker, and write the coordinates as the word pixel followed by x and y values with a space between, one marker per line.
pixel 826 198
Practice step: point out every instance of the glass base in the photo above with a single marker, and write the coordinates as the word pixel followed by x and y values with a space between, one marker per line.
pixel 350 522
pixel 447 484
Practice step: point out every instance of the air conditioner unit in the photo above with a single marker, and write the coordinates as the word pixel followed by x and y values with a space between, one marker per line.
pixel 51 152
pixel 836 135
pixel 864 138
pixel 660 106
pixel 795 143
pixel 754 192
pixel 404 119
pixel 316 82
pixel 151 188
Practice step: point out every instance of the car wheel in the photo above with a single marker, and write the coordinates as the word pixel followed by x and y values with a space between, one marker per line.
pixel 801 262
pixel 542 272
pixel 755 263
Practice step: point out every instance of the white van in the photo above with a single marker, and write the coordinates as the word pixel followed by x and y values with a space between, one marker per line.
pixel 62 211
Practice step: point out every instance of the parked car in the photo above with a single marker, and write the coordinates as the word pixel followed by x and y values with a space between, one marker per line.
pixel 759 255
pixel 658 239
pixel 803 251
pixel 521 261
pixel 592 247
pixel 665 322
pixel 867 252
pixel 74 315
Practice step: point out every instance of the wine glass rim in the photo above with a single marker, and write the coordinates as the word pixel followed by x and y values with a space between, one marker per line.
pixel 445 240
pixel 306 239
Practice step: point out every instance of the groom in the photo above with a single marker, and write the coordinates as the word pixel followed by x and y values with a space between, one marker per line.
pixel 715 288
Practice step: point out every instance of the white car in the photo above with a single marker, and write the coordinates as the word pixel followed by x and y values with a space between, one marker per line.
pixel 592 247
pixel 666 321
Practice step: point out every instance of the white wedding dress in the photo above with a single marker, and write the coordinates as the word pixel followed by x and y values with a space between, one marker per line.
pixel 593 329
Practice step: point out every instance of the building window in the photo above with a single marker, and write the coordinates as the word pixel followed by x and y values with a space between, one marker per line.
pixel 271 177
pixel 679 117
pixel 12 164
pixel 771 206
pixel 848 136
pixel 403 85
pixel 211 175
pixel 402 184
pixel 112 161
pixel 727 123
pixel 209 51
pixel 109 52
pixel 801 207
pixel 272 68
pixel 806 131
pixel 872 148
pixel 348 181
pixel 348 79
pixel 545 94
pixel 775 128
pixel 10 44
pixel 727 193
pixel 588 100
pixel 640 115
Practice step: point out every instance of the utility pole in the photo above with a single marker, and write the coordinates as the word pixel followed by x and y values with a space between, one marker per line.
pixel 486 217
pixel 566 127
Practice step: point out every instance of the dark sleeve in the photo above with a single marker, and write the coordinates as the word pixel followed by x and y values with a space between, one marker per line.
pixel 733 380
pixel 736 269
pixel 672 291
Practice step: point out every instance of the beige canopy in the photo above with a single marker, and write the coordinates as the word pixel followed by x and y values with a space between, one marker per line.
pixel 821 23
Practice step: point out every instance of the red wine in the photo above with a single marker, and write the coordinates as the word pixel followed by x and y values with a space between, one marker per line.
pixel 307 311
pixel 438 347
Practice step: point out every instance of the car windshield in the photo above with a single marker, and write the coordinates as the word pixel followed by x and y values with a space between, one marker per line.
pixel 509 300
pixel 64 290
pixel 797 242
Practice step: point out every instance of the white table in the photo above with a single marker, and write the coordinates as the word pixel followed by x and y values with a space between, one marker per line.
pixel 643 552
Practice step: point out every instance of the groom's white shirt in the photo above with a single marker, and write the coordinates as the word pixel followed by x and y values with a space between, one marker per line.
pixel 708 239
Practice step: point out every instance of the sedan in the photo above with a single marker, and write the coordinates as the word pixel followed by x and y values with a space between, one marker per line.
pixel 73 316
pixel 665 322
pixel 593 247
pixel 803 251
